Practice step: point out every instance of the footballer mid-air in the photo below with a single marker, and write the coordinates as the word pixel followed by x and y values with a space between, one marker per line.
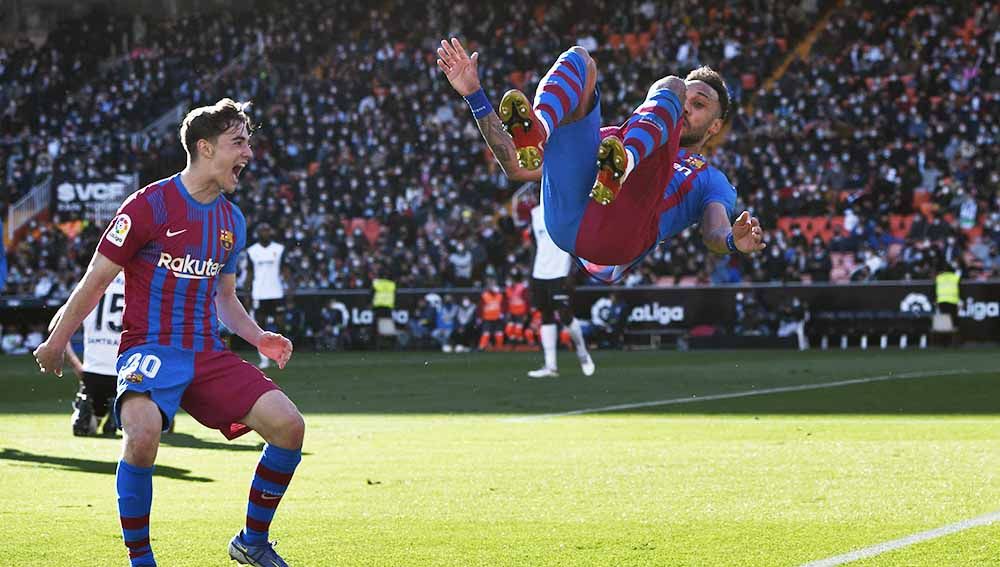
pixel 611 194
pixel 178 241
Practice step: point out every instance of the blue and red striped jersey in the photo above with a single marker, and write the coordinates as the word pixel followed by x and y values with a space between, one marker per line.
pixel 691 186
pixel 173 249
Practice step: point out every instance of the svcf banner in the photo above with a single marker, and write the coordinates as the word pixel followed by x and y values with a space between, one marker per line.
pixel 90 198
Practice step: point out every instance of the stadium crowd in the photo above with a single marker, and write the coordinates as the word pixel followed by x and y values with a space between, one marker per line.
pixel 866 159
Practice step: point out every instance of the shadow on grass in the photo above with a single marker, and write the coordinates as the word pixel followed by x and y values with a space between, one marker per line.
pixel 90 466
pixel 188 441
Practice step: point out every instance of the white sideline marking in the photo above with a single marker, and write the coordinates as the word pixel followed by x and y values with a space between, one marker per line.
pixel 885 546
pixel 746 393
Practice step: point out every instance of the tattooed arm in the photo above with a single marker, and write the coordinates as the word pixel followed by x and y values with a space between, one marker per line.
pixel 460 70
pixel 502 146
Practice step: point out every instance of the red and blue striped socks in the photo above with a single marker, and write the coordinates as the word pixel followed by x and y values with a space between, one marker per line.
pixel 651 126
pixel 135 498
pixel 559 91
pixel 274 472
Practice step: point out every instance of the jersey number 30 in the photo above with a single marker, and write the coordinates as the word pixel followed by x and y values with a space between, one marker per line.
pixel 149 365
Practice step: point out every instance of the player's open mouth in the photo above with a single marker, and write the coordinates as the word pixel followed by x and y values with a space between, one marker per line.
pixel 237 169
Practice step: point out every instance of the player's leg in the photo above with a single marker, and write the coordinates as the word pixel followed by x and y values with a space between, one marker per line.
pixel 656 122
pixel 235 397
pixel 575 329
pixel 549 330
pixel 565 94
pixel 101 388
pixel 151 380
pixel 141 426
pixel 279 422
pixel 83 420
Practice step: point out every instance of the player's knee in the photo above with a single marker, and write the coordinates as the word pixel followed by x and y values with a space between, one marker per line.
pixel 142 439
pixel 591 73
pixel 672 83
pixel 287 428
pixel 296 428
pixel 583 54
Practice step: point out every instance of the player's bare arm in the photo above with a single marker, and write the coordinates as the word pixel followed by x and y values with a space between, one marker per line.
pixel 715 230
pixel 70 316
pixel 71 357
pixel 502 146
pixel 462 73
pixel 234 315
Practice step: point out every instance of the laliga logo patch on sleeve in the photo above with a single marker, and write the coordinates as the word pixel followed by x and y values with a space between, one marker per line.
pixel 119 230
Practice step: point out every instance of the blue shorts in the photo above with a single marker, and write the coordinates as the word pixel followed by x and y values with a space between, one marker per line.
pixel 217 388
pixel 568 173
pixel 162 372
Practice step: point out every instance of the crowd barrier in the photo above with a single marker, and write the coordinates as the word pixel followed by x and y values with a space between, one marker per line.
pixel 875 308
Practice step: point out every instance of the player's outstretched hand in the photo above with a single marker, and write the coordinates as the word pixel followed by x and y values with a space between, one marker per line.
pixel 460 69
pixel 747 235
pixel 276 347
pixel 50 358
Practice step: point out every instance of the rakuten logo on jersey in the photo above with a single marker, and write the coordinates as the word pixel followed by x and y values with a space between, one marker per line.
pixel 656 313
pixel 188 267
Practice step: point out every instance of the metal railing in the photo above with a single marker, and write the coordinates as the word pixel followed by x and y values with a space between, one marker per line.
pixel 28 207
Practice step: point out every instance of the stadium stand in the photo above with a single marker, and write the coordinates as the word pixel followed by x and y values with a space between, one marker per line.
pixel 864 158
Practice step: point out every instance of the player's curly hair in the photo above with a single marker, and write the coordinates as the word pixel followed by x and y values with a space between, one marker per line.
pixel 712 77
pixel 209 122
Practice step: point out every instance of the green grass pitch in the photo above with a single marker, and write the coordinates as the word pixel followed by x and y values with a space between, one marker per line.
pixel 426 459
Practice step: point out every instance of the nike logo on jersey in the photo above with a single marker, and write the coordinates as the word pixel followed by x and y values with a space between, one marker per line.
pixel 267 496
pixel 172 233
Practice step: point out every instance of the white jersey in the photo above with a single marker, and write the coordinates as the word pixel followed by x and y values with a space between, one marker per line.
pixel 102 330
pixel 551 262
pixel 266 262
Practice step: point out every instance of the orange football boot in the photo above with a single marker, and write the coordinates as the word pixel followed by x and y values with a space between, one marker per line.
pixel 524 126
pixel 611 162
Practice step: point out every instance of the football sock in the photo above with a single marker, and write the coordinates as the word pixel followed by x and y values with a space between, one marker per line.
pixel 549 333
pixel 576 333
pixel 274 472
pixel 651 126
pixel 559 91
pixel 135 498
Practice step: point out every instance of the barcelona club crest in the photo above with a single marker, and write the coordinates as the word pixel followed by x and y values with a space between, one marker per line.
pixel 227 239
pixel 696 162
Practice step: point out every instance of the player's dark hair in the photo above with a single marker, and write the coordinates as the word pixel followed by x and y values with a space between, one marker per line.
pixel 209 122
pixel 713 79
